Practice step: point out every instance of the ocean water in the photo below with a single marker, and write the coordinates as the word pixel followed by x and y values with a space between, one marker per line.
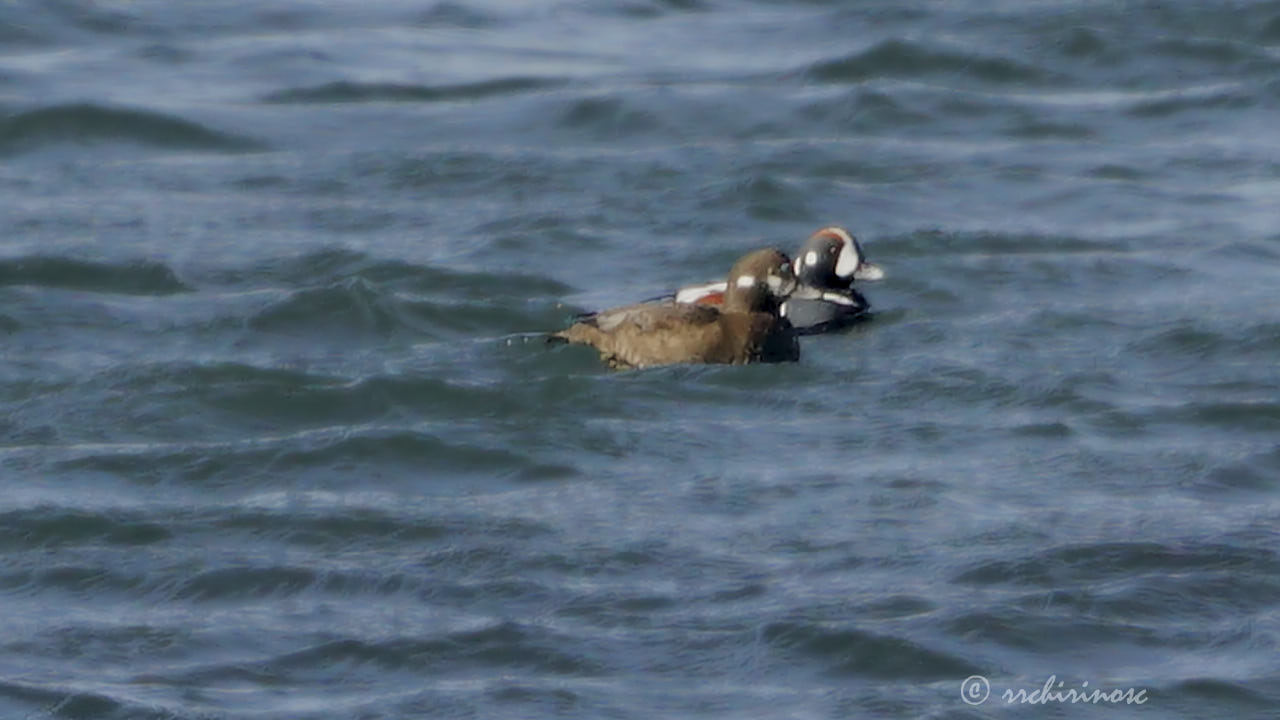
pixel 280 436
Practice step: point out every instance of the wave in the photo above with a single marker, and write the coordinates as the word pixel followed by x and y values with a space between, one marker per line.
pixel 57 701
pixel 607 118
pixel 14 33
pixel 1258 472
pixel 99 20
pixel 1168 106
pixel 761 195
pixel 1029 630
pixel 336 265
pixel 1101 562
pixel 139 277
pixel 50 528
pixel 864 110
pixel 1215 695
pixel 509 645
pixel 1239 56
pixel 85 123
pixel 353 306
pixel 860 653
pixel 281 395
pixel 339 528
pixel 425 454
pixel 1197 338
pixel 357 308
pixel 341 293
pixel 355 92
pixel 899 58
pixel 1245 416
pixel 456 15
pixel 930 243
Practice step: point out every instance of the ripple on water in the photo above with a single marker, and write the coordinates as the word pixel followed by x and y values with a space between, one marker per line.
pixel 78 704
pixel 457 15
pixel 1248 416
pixel 509 645
pixel 763 195
pixel 1259 472
pixel 359 526
pixel 1205 696
pixel 356 92
pixel 1042 633
pixel 850 651
pixel 868 110
pixel 1200 598
pixel 352 307
pixel 139 277
pixel 901 58
pixel 336 265
pixel 607 118
pixel 1195 338
pixel 357 308
pixel 50 528
pixel 1191 102
pixel 341 456
pixel 932 243
pixel 86 123
pixel 1100 562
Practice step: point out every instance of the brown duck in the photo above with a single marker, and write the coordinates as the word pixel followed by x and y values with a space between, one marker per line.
pixel 745 328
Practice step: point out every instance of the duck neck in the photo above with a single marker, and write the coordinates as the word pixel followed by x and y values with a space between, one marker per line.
pixel 749 299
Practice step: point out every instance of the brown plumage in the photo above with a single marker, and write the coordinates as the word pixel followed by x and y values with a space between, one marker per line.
pixel 746 328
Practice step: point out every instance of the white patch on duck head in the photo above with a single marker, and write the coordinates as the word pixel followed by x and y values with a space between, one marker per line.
pixel 850 254
pixel 745 281
pixel 811 258
pixel 781 282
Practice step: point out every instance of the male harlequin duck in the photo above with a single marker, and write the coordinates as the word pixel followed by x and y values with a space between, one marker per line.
pixel 826 266
pixel 744 327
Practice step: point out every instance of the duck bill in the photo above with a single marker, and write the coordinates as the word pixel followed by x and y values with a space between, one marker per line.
pixel 868 271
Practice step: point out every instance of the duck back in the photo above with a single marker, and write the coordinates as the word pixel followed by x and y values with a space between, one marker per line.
pixel 652 334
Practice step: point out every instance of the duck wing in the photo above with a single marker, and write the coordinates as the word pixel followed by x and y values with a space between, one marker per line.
pixel 655 333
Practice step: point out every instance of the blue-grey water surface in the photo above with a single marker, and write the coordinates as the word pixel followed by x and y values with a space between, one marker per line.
pixel 280 438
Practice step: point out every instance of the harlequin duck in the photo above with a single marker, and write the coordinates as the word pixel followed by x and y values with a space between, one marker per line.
pixel 826 266
pixel 744 327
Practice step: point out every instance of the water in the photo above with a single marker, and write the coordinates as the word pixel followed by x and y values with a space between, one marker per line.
pixel 279 437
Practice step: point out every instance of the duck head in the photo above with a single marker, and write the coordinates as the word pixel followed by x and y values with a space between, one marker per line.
pixel 760 281
pixel 832 258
